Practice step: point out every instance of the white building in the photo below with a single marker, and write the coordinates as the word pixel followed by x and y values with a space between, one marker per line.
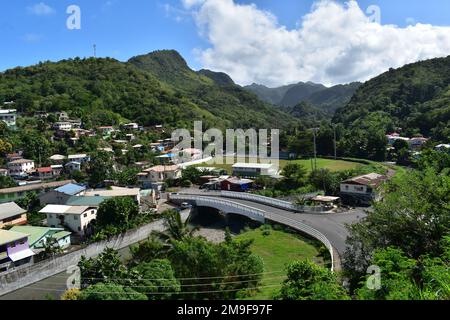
pixel 159 174
pixel 20 167
pixel 73 166
pixel 134 193
pixel 254 169
pixel 8 116
pixel 63 126
pixel 362 189
pixel 75 218
pixel 131 126
pixel 81 158
pixel 3 172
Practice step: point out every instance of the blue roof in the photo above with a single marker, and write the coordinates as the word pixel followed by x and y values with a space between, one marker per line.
pixel 71 189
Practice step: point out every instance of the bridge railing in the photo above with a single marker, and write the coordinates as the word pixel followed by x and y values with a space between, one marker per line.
pixel 249 211
pixel 273 202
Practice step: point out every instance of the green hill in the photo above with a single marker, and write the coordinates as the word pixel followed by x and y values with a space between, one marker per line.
pixel 212 91
pixel 415 98
pixel 152 89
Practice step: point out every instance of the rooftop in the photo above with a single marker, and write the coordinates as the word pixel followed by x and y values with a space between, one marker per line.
pixel 71 189
pixel 63 209
pixel 253 165
pixel 162 168
pixel 10 236
pixel 20 161
pixel 85 201
pixel 35 233
pixel 44 170
pixel 114 192
pixel 77 156
pixel 36 186
pixel 371 179
pixel 10 209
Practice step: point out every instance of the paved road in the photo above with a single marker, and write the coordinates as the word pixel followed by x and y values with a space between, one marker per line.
pixel 332 226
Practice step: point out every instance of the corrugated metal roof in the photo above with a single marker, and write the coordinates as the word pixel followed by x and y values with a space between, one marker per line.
pixel 10 236
pixel 71 189
pixel 10 209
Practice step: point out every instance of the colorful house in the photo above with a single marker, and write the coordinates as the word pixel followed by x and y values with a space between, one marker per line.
pixel 14 250
pixel 11 215
pixel 38 236
pixel 236 184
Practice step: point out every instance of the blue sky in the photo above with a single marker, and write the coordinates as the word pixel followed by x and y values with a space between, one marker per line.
pixel 30 33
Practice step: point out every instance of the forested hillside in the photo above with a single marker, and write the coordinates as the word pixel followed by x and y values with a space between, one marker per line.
pixel 415 98
pixel 158 90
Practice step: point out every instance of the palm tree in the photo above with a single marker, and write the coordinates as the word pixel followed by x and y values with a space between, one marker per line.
pixel 176 229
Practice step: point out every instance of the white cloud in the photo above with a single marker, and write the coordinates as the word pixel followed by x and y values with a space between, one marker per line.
pixel 334 43
pixel 41 9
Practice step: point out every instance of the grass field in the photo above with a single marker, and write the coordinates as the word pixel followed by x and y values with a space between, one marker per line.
pixel 278 250
pixel 332 165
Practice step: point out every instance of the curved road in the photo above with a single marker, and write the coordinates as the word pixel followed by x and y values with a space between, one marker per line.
pixel 331 225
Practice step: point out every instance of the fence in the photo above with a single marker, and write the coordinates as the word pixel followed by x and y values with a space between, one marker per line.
pixel 23 276
pixel 273 202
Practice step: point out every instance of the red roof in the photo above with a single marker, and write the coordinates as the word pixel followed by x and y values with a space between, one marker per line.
pixel 44 170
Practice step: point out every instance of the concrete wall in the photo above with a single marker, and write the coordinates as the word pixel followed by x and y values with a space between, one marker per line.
pixel 24 276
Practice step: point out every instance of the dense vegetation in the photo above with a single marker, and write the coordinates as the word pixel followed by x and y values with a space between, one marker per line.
pixel 155 89
pixel 415 98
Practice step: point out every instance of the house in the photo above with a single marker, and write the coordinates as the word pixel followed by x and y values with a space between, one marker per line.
pixel 91 201
pixel 62 116
pixel 16 193
pixel 362 190
pixel 62 126
pixel 417 142
pixel 44 173
pixel 81 158
pixel 38 236
pixel 14 250
pixel 57 169
pixel 130 126
pixel 8 116
pixel 62 194
pixel 105 130
pixel 75 218
pixel 133 193
pixel 394 137
pixel 236 184
pixel 159 174
pixel 3 172
pixel 11 215
pixel 443 147
pixel 73 166
pixel 254 169
pixel 13 156
pixel 57 158
pixel 20 167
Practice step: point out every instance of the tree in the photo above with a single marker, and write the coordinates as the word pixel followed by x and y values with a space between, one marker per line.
pixel 295 175
pixel 100 168
pixel 119 212
pixel 157 280
pixel 5 147
pixel 107 267
pixel 308 281
pixel 148 250
pixel 324 179
pixel 192 174
pixel 109 291
pixel 220 271
pixel 7 182
pixel 396 277
pixel 176 229
pixel 71 294
pixel 413 217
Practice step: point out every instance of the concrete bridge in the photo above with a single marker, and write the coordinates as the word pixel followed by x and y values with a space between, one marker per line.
pixel 329 228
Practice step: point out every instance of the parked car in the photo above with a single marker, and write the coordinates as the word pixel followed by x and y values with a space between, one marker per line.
pixel 185 205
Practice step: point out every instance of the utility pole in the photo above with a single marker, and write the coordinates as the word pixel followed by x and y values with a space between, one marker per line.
pixel 315 147
pixel 95 51
pixel 335 148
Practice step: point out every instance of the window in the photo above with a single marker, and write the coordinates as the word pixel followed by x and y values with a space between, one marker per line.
pixel 75 218
pixel 79 228
pixel 85 215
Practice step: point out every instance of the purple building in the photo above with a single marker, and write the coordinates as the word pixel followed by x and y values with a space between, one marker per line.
pixel 14 250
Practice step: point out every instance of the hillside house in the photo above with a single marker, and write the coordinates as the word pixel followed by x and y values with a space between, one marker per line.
pixel 159 174
pixel 39 236
pixel 362 190
pixel 133 193
pixel 75 218
pixel 12 215
pixel 254 169
pixel 81 158
pixel 8 116
pixel 20 167
pixel 62 126
pixel 62 194
pixel 14 250
pixel 16 193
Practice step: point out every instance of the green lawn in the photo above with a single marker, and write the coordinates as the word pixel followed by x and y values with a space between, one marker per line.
pixel 278 250
pixel 333 165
